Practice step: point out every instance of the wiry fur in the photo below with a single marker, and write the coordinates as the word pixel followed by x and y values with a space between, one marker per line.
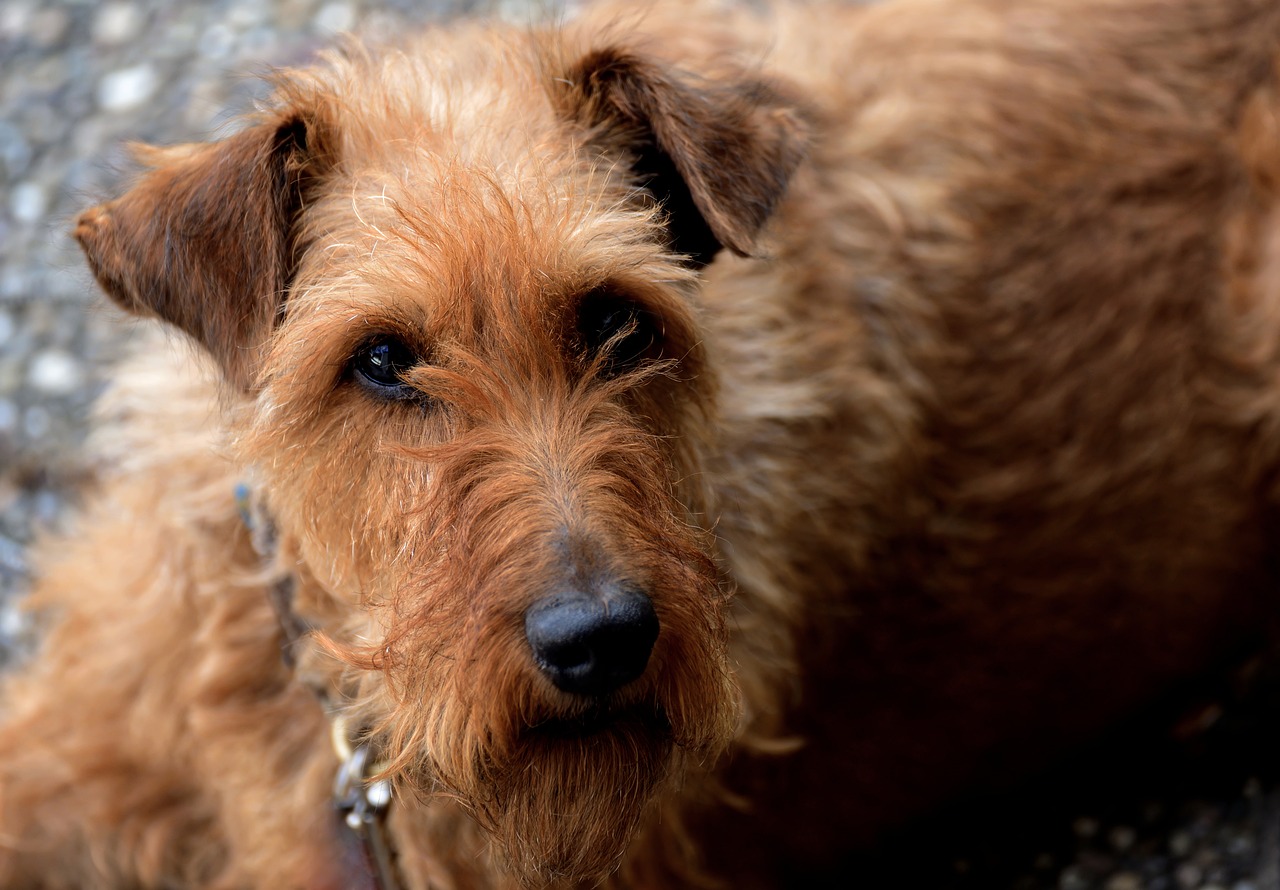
pixel 962 440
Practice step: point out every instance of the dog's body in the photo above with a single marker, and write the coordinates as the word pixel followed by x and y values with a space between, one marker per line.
pixel 977 454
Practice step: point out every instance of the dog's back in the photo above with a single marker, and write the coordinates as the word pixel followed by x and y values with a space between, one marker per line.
pixel 1035 240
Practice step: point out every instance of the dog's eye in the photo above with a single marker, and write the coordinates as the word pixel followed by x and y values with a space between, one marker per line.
pixel 380 366
pixel 619 331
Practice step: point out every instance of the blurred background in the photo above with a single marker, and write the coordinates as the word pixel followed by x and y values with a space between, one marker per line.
pixel 81 79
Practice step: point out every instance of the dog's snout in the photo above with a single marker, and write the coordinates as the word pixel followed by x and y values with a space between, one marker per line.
pixel 591 644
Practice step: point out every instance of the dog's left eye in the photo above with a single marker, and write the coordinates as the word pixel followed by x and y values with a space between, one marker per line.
pixel 381 365
pixel 619 330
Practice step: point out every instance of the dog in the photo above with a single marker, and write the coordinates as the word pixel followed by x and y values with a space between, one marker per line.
pixel 669 448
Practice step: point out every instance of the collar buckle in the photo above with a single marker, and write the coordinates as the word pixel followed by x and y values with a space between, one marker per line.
pixel 363 805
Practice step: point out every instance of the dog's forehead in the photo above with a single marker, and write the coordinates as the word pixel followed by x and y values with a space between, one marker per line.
pixel 457 178
pixel 457 244
pixel 466 96
pixel 457 213
pixel 463 91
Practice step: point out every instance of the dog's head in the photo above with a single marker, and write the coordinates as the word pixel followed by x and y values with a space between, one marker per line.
pixel 456 291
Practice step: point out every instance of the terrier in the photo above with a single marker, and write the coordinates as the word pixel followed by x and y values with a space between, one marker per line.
pixel 666 449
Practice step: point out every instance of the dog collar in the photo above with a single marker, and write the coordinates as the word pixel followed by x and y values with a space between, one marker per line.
pixel 362 802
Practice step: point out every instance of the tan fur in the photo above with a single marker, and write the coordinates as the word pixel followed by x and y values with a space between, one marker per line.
pixel 965 446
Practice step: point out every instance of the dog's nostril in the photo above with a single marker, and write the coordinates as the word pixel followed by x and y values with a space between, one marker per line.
pixel 591 645
pixel 560 655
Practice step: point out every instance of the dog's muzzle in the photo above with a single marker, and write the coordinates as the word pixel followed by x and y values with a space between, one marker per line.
pixel 592 643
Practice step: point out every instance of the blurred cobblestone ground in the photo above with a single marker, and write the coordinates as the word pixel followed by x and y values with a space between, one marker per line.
pixel 79 79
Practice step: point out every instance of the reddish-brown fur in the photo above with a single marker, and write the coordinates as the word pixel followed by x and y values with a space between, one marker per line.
pixel 963 448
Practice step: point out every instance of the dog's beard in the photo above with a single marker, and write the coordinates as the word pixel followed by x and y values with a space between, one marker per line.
pixel 561 801
pixel 569 807
pixel 560 784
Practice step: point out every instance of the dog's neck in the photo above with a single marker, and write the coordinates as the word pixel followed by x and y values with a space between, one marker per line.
pixel 363 802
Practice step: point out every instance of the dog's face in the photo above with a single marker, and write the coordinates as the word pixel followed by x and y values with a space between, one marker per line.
pixel 459 300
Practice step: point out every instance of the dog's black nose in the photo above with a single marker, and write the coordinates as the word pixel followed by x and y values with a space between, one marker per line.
pixel 591 644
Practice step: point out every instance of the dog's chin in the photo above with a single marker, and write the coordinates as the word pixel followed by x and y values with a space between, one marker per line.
pixel 575 792
pixel 562 786
pixel 587 780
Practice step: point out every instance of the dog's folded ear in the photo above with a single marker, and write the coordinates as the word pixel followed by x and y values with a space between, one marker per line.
pixel 716 154
pixel 204 239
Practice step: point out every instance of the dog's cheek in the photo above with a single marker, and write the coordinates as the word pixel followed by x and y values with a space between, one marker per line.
pixel 346 460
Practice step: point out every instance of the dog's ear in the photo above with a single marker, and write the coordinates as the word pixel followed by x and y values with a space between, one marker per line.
pixel 717 155
pixel 204 239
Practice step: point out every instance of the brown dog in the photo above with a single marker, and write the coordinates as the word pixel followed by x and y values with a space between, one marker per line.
pixel 678 446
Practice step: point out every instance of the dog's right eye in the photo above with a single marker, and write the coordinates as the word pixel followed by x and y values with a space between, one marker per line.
pixel 380 366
